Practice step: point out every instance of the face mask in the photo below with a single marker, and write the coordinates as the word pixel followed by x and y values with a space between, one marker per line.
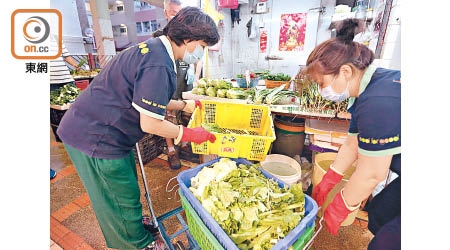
pixel 329 94
pixel 193 57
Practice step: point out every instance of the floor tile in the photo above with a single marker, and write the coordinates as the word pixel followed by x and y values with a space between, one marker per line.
pixel 66 211
pixel 55 247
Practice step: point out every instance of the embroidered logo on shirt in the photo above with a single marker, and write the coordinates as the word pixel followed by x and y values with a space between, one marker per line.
pixel 153 103
pixel 380 141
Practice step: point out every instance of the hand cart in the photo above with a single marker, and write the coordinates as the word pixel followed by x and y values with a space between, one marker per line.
pixel 157 221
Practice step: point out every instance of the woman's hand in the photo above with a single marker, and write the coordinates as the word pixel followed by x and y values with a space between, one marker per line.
pixel 190 105
pixel 329 180
pixel 336 213
pixel 197 135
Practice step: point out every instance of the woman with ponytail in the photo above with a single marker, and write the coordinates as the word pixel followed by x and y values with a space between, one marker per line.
pixel 343 69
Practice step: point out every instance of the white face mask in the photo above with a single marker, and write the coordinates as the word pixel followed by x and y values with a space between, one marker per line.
pixel 329 94
pixel 193 57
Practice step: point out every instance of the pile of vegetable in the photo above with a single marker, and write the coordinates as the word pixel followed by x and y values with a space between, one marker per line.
pixel 313 101
pixel 274 96
pixel 224 89
pixel 253 210
pixel 218 88
pixel 214 128
pixel 64 95
pixel 274 77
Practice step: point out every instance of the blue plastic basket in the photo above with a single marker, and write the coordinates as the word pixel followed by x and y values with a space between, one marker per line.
pixel 242 82
pixel 184 180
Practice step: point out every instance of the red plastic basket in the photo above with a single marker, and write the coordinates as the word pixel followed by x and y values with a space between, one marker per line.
pixel 82 84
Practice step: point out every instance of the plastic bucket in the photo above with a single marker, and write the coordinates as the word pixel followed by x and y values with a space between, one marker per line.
pixel 321 164
pixel 283 167
pixel 290 134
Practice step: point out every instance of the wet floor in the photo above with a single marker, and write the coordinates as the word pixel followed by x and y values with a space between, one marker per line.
pixel 73 224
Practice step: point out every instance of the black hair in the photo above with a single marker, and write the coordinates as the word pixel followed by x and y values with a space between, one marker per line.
pixel 347 29
pixel 192 24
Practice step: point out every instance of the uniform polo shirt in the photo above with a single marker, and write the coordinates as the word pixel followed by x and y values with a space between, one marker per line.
pixel 104 121
pixel 376 115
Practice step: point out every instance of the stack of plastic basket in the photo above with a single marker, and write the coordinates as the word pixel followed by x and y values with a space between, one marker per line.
pixel 151 146
pixel 210 236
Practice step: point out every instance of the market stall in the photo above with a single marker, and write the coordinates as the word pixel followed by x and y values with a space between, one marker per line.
pixel 265 134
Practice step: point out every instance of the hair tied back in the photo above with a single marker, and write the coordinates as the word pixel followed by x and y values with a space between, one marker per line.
pixel 347 29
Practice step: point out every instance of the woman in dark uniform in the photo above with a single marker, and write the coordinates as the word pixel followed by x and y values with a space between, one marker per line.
pixel 127 99
pixel 343 69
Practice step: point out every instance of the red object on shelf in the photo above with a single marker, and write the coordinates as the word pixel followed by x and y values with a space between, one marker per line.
pixel 232 4
pixel 263 41
pixel 82 84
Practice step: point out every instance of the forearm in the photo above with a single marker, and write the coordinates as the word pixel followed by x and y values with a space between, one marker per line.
pixel 162 128
pixel 369 172
pixel 71 61
pixel 347 154
pixel 176 105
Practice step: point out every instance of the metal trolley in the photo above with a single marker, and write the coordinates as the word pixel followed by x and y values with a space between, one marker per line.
pixel 157 221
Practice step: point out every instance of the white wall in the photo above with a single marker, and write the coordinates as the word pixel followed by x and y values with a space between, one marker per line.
pixel 240 53
pixel 220 63
pixel 71 30
pixel 391 52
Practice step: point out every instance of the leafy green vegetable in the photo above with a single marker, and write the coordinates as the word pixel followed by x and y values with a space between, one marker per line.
pixel 236 93
pixel 64 95
pixel 202 83
pixel 213 128
pixel 201 91
pixel 211 91
pixel 222 93
pixel 260 95
pixel 253 210
pixel 222 84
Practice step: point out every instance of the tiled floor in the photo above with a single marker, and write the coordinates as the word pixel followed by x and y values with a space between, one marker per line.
pixel 73 225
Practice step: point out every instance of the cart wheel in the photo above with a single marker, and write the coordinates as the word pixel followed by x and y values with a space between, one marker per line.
pixel 179 246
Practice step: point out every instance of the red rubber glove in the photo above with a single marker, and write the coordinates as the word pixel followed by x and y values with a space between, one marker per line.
pixel 329 180
pixel 336 213
pixel 197 135
pixel 198 104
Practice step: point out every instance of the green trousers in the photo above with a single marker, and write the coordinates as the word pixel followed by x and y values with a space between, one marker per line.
pixel 114 192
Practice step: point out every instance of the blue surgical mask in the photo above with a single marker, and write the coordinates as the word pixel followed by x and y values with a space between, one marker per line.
pixel 329 94
pixel 193 57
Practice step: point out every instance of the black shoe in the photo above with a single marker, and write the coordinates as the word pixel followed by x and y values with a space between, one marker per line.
pixel 148 225
pixel 174 160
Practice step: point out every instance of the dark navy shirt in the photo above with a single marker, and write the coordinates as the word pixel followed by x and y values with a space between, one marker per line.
pixel 104 120
pixel 376 115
